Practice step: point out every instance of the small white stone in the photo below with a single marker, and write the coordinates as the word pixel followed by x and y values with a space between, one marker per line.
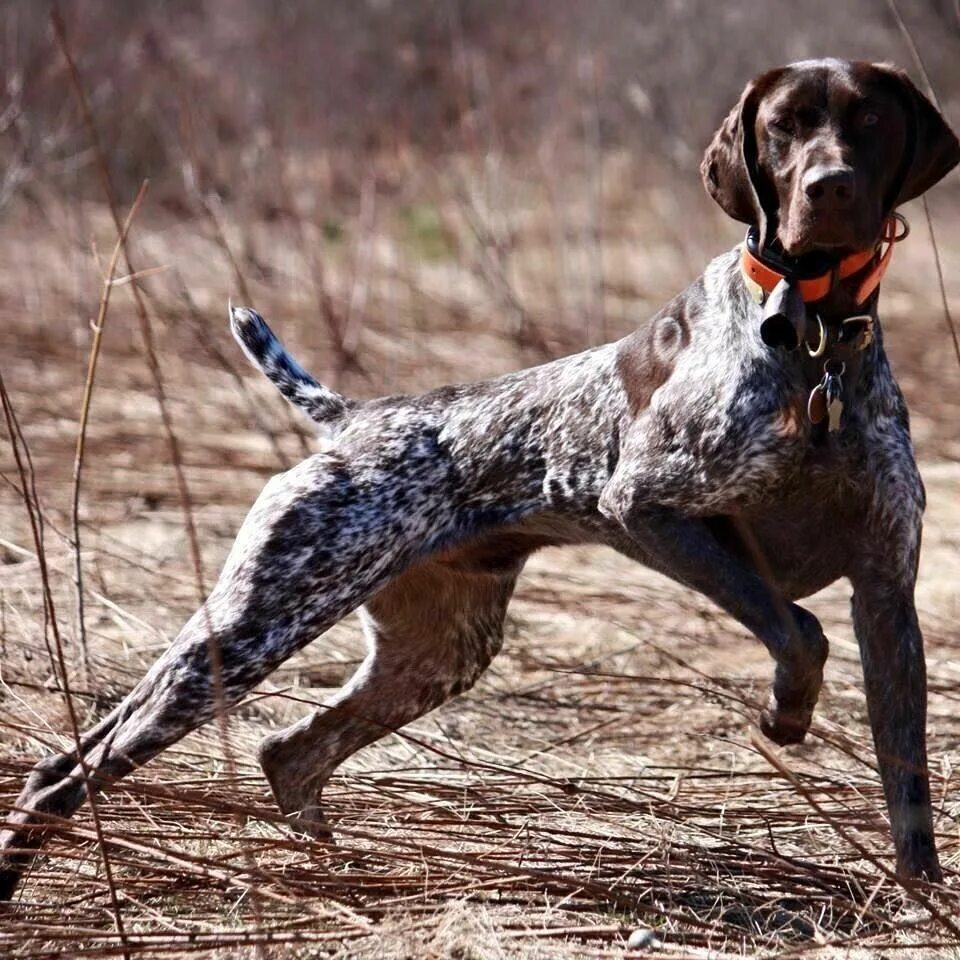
pixel 642 939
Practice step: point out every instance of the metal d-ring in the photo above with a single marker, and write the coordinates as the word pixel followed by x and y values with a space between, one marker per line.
pixel 822 346
pixel 866 335
pixel 904 223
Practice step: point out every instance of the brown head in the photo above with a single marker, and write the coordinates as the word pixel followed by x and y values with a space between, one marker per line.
pixel 818 153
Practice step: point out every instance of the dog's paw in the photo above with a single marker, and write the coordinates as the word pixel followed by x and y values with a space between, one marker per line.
pixel 311 824
pixel 796 681
pixel 8 884
pixel 917 859
pixel 785 726
pixel 789 711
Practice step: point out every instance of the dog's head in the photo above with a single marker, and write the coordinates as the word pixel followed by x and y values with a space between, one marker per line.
pixel 817 154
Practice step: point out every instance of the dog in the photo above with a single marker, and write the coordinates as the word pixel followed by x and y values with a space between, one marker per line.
pixel 748 441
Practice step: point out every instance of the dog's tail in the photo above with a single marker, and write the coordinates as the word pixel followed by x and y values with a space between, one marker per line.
pixel 265 351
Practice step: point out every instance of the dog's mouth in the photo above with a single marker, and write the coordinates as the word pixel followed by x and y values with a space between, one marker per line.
pixel 835 232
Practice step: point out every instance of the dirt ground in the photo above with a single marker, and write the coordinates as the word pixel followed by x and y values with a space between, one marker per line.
pixel 605 774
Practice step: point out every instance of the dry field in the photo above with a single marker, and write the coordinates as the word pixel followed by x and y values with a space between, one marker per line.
pixel 604 774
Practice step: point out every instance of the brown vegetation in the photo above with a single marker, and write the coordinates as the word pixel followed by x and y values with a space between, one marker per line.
pixel 415 194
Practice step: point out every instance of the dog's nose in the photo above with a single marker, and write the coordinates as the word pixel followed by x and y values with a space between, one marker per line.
pixel 829 188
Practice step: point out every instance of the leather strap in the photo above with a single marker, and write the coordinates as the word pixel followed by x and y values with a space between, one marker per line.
pixel 812 289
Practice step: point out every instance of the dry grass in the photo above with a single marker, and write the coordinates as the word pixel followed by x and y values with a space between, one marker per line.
pixel 603 775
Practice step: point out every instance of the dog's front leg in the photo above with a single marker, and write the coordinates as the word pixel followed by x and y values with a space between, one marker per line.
pixel 895 679
pixel 684 549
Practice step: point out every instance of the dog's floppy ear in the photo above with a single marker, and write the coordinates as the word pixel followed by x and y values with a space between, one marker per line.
pixel 729 168
pixel 932 148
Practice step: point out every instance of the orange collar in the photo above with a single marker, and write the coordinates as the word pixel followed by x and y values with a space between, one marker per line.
pixel 761 278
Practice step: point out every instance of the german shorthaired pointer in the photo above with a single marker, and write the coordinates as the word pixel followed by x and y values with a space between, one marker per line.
pixel 748 441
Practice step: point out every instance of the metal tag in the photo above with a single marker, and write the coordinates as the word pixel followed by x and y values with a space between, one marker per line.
pixel 817 404
pixel 834 411
pixel 825 398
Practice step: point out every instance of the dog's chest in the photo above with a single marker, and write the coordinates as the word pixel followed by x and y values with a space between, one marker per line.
pixel 726 426
pixel 712 439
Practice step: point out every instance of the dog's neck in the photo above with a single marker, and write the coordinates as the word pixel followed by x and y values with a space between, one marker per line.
pixel 823 316
pixel 834 286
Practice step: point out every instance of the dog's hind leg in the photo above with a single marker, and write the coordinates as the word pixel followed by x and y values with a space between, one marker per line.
pixel 303 559
pixel 431 633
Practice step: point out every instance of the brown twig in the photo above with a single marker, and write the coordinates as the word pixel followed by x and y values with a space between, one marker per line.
pixel 98 327
pixel 948 316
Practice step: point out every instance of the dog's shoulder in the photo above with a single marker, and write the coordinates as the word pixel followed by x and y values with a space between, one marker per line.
pixel 708 427
pixel 709 334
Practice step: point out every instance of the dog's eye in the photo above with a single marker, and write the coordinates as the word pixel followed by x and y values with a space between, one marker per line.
pixel 869 119
pixel 782 124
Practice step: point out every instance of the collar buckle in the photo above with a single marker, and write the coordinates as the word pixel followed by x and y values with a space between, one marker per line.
pixel 854 335
pixel 857 331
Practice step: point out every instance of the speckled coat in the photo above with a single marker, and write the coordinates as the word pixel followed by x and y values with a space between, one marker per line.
pixel 684 445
